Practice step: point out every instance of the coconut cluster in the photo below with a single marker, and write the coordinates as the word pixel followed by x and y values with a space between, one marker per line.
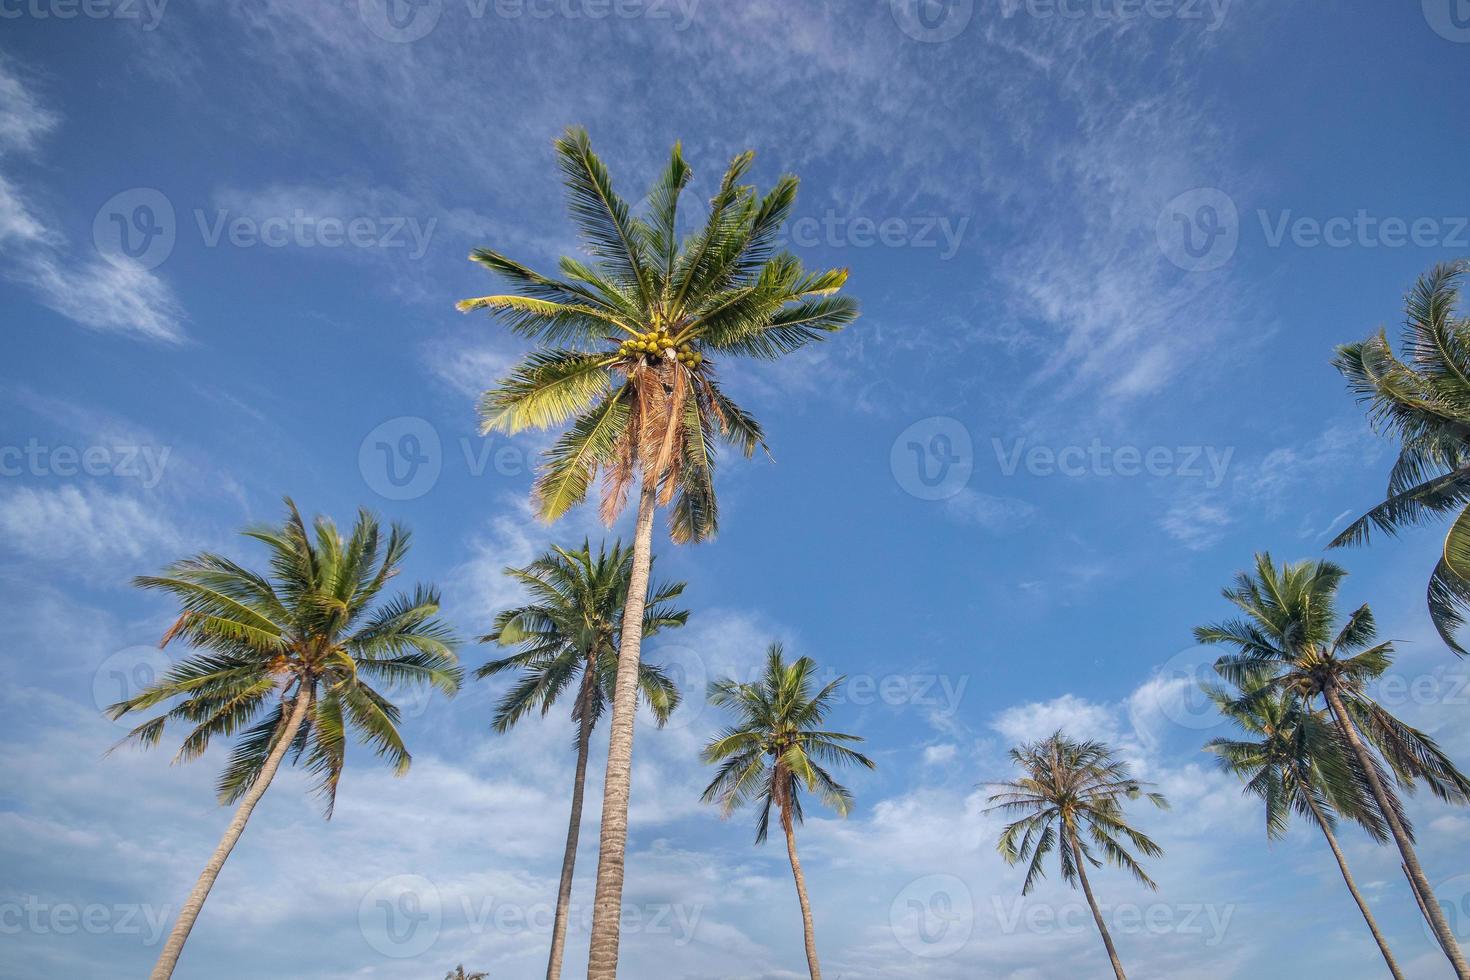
pixel 655 342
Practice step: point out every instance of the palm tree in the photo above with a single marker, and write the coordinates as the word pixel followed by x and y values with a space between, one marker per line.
pixel 775 749
pixel 569 630
pixel 626 362
pixel 1295 759
pixel 458 974
pixel 1290 631
pixel 286 663
pixel 1071 795
pixel 1424 400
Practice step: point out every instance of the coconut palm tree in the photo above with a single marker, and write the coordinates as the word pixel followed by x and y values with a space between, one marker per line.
pixel 286 663
pixel 568 634
pixel 1072 799
pixel 1290 632
pixel 1423 400
pixel 1294 759
pixel 776 748
pixel 458 974
pixel 628 362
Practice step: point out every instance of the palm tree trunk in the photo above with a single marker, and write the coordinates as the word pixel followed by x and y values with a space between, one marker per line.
pixel 1432 910
pixel 169 958
pixel 806 906
pixel 1092 904
pixel 602 956
pixel 574 829
pixel 1347 876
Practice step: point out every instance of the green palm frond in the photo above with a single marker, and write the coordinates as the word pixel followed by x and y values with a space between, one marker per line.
pixel 627 338
pixel 313 629
pixel 776 747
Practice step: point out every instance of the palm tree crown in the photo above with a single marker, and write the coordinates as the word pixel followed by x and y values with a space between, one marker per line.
pixel 1293 758
pixel 630 341
pixel 778 746
pixel 1424 400
pixel 1072 796
pixel 312 628
pixel 572 628
pixel 1290 632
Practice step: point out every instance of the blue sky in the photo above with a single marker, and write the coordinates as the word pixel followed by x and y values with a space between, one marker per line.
pixel 1103 251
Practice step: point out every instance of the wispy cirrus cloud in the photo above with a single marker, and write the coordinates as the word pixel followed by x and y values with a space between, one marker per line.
pixel 112 294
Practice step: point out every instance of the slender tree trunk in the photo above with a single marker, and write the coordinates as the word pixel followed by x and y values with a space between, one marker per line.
pixel 1347 876
pixel 1432 910
pixel 1107 939
pixel 169 958
pixel 812 966
pixel 574 830
pixel 607 907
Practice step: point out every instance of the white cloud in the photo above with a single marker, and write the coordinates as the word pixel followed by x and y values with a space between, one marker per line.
pixel 94 530
pixel 1078 717
pixel 993 513
pixel 113 295
pixel 1196 525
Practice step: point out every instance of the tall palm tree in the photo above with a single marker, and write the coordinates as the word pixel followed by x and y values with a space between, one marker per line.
pixel 286 662
pixel 627 361
pixel 776 748
pixel 1072 799
pixel 1290 630
pixel 1424 400
pixel 568 633
pixel 1294 759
